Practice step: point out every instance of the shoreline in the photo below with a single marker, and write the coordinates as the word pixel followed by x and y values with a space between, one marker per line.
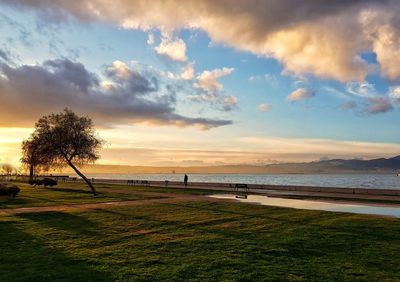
pixel 349 195
pixel 255 188
pixel 303 181
pixel 353 195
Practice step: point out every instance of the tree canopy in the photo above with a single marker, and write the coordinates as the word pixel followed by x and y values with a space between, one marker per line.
pixel 63 139
pixel 32 156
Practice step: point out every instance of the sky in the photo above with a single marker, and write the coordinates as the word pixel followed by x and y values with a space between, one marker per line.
pixel 193 83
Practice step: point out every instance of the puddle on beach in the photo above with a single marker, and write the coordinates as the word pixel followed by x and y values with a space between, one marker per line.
pixel 316 205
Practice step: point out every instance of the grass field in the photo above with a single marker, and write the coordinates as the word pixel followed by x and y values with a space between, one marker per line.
pixel 204 241
pixel 63 194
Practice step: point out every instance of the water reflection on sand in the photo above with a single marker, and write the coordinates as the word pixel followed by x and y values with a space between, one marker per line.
pixel 374 209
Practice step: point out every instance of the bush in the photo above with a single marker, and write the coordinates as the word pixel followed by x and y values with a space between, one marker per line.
pixel 45 182
pixel 9 190
pixel 49 182
pixel 35 182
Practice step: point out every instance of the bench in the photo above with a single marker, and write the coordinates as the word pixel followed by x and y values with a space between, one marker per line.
pixel 131 182
pixel 241 190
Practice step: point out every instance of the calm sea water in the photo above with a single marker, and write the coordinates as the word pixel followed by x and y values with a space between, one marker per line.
pixel 378 181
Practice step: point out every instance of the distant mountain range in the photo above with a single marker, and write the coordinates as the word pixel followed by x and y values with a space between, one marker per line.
pixel 380 165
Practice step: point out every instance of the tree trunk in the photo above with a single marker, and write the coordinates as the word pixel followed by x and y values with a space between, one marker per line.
pixel 31 173
pixel 83 177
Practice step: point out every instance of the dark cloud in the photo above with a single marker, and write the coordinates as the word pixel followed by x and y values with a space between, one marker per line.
pixel 30 91
pixel 272 14
pixel 72 72
pixel 132 81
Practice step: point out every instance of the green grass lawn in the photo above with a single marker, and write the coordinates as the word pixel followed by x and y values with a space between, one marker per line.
pixel 204 241
pixel 138 188
pixel 65 193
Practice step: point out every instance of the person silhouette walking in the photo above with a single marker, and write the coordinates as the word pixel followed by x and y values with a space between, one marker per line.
pixel 185 180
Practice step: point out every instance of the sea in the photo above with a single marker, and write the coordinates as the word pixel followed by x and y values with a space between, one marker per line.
pixel 377 181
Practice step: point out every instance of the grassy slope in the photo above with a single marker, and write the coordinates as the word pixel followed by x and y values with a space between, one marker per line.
pixel 198 241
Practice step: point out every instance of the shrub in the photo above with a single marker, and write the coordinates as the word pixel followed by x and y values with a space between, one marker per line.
pixel 45 182
pixel 35 182
pixel 49 182
pixel 9 190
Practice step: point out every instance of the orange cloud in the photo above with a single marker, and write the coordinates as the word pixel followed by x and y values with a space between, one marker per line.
pixel 173 49
pixel 300 94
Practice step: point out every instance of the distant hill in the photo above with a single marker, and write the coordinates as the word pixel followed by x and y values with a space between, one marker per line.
pixel 380 165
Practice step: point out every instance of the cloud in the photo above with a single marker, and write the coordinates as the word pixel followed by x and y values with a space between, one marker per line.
pixel 373 102
pixel 335 92
pixel 366 96
pixel 208 80
pixel 216 101
pixel 324 38
pixel 381 27
pixel 20 31
pixel 282 149
pixel 4 56
pixel 150 39
pixel 188 72
pixel 264 107
pixel 361 89
pixel 270 78
pixel 257 148
pixel 230 102
pixel 348 105
pixel 378 105
pixel 394 93
pixel 300 94
pixel 127 96
pixel 119 69
pixel 173 49
pixel 148 147
pixel 210 90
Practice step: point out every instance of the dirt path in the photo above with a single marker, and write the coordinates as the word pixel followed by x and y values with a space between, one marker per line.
pixel 168 198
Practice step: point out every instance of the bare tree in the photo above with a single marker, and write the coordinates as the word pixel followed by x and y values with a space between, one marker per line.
pixel 67 139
